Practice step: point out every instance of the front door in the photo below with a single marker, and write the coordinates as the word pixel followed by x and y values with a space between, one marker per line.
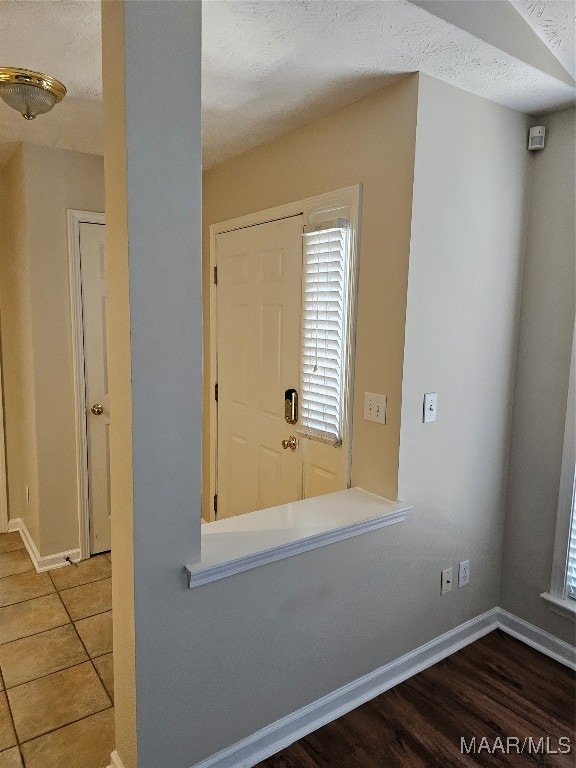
pixel 258 329
pixel 94 301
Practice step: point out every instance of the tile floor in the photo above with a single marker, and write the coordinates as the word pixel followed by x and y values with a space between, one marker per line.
pixel 56 683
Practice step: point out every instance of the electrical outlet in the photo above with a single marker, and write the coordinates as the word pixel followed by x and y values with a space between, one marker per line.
pixel 446 581
pixel 375 407
pixel 463 573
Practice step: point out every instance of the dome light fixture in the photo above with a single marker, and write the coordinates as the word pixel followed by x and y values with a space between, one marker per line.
pixel 30 93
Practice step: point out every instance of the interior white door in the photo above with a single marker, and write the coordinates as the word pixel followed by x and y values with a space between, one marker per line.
pixel 258 331
pixel 94 301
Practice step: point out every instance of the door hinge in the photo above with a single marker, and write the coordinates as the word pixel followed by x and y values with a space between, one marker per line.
pixel 216 391
pixel 215 275
pixel 215 505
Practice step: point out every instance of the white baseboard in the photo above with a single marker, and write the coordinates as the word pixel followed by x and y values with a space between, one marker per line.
pixel 289 729
pixel 537 638
pixel 47 562
pixel 271 739
pixel 115 761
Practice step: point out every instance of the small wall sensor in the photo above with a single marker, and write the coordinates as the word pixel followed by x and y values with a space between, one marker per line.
pixel 536 137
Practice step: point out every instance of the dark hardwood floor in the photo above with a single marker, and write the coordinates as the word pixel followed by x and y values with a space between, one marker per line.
pixel 495 687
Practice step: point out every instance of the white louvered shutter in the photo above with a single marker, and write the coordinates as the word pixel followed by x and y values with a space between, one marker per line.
pixel 324 311
pixel 571 571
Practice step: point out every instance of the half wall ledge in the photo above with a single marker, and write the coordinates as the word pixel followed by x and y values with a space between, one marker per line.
pixel 247 541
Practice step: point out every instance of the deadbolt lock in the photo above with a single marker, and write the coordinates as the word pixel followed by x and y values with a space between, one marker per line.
pixel 291 406
pixel 97 409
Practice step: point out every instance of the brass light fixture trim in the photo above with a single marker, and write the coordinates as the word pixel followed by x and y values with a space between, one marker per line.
pixel 31 93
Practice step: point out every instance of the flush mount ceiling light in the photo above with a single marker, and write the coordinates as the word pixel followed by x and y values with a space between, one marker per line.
pixel 30 93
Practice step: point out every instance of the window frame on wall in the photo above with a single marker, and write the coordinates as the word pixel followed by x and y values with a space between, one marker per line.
pixel 558 598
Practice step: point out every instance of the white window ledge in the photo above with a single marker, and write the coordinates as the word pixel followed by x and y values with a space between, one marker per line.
pixel 244 542
pixel 566 607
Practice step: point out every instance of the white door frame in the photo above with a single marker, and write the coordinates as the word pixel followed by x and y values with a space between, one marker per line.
pixel 350 196
pixel 3 466
pixel 75 219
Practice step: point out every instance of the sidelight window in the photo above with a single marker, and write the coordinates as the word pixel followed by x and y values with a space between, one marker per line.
pixel 325 302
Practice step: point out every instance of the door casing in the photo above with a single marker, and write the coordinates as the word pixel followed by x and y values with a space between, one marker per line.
pixel 349 197
pixel 75 219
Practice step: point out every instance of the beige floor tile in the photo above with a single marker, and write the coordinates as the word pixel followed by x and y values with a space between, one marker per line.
pixel 10 542
pixel 81 573
pixel 59 699
pixel 30 617
pixel 40 655
pixel 89 599
pixel 10 758
pixel 15 562
pixel 7 735
pixel 105 668
pixel 86 744
pixel 96 633
pixel 24 586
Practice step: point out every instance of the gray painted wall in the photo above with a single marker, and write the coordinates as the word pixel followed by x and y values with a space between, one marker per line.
pixel 163 180
pixel 243 652
pixel 543 369
pixel 466 256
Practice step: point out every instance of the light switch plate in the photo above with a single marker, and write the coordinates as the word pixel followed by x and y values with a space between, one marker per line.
pixel 430 405
pixel 464 573
pixel 446 581
pixel 375 407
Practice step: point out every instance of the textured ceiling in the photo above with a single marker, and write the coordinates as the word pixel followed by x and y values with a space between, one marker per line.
pixel 273 65
pixel 62 39
pixel 555 24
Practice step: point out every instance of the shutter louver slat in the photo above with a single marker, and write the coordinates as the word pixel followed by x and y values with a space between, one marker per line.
pixel 323 402
pixel 320 384
pixel 323 332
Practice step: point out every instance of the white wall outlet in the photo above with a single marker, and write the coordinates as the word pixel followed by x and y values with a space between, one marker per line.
pixel 375 407
pixel 463 573
pixel 446 581
pixel 430 405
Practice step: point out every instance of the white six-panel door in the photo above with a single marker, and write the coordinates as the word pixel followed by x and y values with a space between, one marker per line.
pixel 258 330
pixel 94 310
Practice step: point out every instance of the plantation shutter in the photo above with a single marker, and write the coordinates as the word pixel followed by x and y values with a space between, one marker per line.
pixel 571 572
pixel 324 310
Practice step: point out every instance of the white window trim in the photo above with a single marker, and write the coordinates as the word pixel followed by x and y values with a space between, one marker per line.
pixel 556 597
pixel 314 209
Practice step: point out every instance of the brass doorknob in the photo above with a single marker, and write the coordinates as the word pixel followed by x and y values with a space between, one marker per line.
pixel 97 409
pixel 291 443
